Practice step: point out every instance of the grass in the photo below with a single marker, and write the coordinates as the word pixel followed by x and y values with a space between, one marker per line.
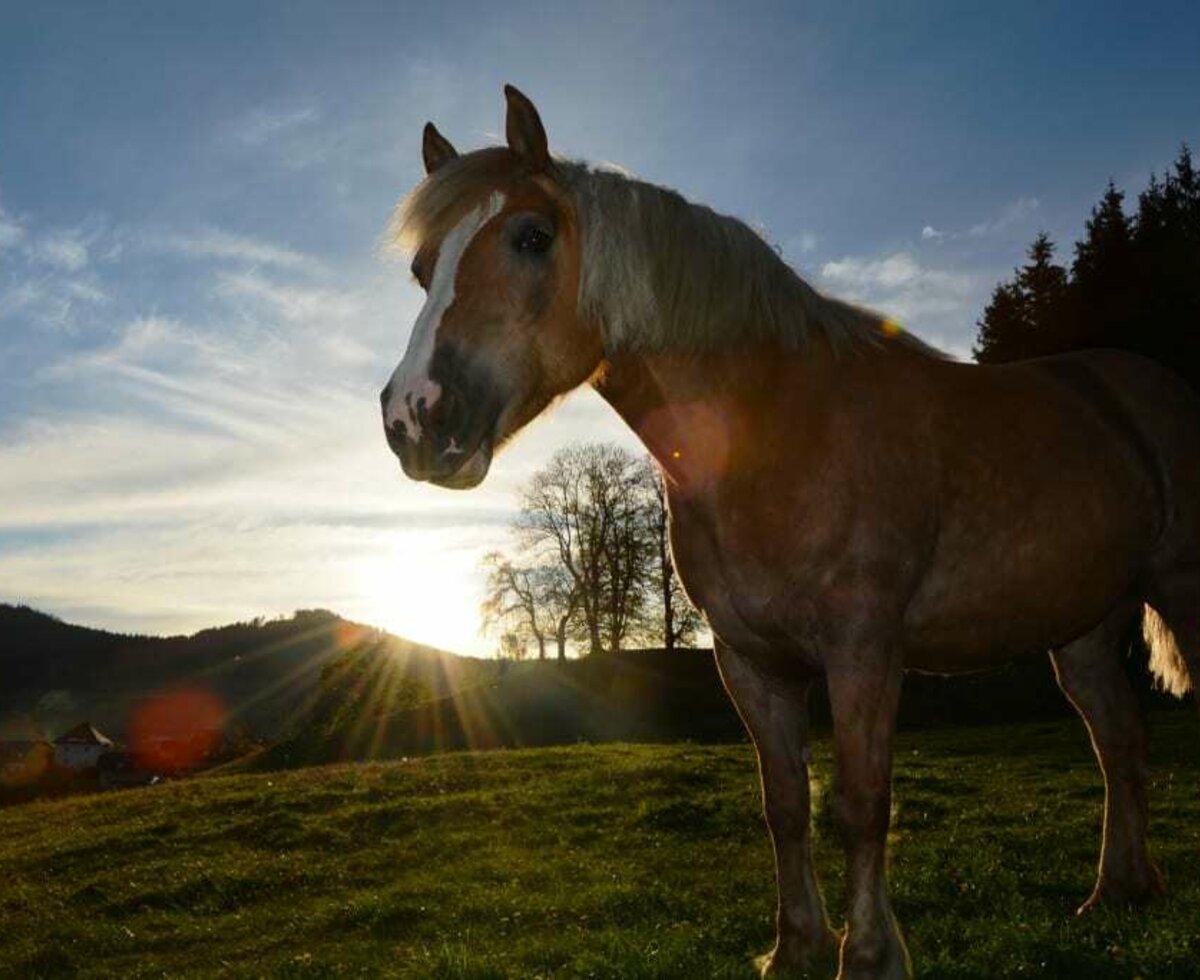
pixel 606 861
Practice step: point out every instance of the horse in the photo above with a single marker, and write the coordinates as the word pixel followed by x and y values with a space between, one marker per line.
pixel 846 503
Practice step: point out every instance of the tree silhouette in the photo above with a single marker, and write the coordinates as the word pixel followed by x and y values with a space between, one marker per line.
pixel 1025 317
pixel 1103 282
pixel 1134 283
pixel 592 557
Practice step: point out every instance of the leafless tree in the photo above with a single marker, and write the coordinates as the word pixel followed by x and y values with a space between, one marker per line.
pixel 537 601
pixel 593 560
pixel 680 620
pixel 581 508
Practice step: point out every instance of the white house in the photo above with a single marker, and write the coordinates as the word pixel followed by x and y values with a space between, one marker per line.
pixel 81 747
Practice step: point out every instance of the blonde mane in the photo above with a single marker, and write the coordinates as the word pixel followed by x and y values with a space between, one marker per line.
pixel 659 272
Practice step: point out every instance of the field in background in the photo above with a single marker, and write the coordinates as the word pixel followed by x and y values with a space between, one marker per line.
pixel 603 861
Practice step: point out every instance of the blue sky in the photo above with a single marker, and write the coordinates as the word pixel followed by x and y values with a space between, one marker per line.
pixel 194 321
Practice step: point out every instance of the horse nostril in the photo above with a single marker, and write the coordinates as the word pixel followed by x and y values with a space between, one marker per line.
pixel 444 415
pixel 396 434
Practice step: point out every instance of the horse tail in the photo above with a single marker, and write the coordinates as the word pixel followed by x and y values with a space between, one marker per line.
pixel 1166 662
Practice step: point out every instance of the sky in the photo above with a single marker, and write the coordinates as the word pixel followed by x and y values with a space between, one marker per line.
pixel 196 318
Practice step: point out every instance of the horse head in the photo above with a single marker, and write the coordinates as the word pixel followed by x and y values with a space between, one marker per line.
pixel 495 240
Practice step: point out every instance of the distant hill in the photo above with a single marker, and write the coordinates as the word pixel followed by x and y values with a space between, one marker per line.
pixel 329 689
pixel 266 672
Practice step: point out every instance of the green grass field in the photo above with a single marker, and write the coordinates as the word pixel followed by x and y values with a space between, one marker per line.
pixel 589 861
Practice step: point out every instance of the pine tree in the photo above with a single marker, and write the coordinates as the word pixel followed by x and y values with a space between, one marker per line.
pixel 1004 327
pixel 1044 284
pixel 1103 279
pixel 1134 283
pixel 1167 261
pixel 1026 317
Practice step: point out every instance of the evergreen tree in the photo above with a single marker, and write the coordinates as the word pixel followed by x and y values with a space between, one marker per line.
pixel 1167 263
pixel 1044 285
pixel 1134 283
pixel 1103 281
pixel 1004 327
pixel 1026 317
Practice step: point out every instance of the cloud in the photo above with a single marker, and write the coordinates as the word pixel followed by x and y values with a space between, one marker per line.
pixel 291 301
pixel 936 303
pixel 929 233
pixel 213 243
pixel 263 125
pixel 63 250
pixel 11 230
pixel 1013 214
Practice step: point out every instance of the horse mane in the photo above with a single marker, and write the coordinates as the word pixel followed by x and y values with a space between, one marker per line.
pixel 659 272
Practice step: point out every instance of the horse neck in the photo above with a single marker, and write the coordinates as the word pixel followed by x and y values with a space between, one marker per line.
pixel 700 413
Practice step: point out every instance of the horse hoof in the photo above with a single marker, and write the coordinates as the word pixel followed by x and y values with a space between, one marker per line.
pixel 1145 889
pixel 797 960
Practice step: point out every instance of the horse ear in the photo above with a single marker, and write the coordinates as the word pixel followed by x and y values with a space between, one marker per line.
pixel 523 127
pixel 435 148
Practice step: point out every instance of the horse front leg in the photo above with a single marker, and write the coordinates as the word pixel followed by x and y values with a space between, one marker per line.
pixel 777 720
pixel 864 691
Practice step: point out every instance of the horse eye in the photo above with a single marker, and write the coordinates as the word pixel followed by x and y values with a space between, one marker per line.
pixel 415 269
pixel 532 238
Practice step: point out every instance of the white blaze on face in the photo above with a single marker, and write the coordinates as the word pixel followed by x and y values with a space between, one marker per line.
pixel 411 383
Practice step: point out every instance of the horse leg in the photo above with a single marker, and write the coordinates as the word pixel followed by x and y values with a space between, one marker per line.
pixel 777 720
pixel 864 695
pixel 1090 673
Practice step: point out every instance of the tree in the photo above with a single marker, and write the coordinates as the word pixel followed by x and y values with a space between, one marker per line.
pixel 1004 329
pixel 536 600
pixel 1103 280
pixel 582 510
pixel 1134 283
pixel 1026 317
pixel 680 620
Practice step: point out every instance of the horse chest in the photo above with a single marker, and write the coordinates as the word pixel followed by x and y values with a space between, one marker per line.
pixel 752 590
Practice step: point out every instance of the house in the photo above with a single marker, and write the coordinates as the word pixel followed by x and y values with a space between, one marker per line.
pixel 81 747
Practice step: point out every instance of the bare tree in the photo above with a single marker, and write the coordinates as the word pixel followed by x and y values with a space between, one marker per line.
pixel 582 509
pixel 511 602
pixel 680 620
pixel 593 557
pixel 537 601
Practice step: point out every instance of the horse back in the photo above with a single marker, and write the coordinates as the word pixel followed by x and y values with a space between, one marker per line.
pixel 1059 481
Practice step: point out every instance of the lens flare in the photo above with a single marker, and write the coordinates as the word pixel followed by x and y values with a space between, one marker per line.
pixel 175 731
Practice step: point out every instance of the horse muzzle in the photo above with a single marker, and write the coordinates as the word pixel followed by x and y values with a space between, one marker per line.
pixel 446 439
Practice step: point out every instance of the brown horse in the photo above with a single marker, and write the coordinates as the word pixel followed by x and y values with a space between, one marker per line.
pixel 844 501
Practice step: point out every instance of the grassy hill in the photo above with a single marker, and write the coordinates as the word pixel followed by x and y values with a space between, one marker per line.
pixel 266 671
pixel 601 861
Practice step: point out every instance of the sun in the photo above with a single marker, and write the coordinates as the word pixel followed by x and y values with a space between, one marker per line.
pixel 424 586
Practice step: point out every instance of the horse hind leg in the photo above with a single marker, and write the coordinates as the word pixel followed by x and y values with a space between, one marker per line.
pixel 1091 674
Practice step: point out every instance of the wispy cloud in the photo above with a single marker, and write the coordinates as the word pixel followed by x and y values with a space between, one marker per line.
pixel 936 303
pixel 213 243
pixel 64 250
pixel 11 230
pixel 1011 215
pixel 263 125
pixel 291 301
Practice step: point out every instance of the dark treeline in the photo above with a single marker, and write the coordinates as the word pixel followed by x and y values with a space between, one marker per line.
pixel 1133 283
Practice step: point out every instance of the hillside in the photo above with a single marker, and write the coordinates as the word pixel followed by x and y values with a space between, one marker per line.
pixel 613 862
pixel 265 672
